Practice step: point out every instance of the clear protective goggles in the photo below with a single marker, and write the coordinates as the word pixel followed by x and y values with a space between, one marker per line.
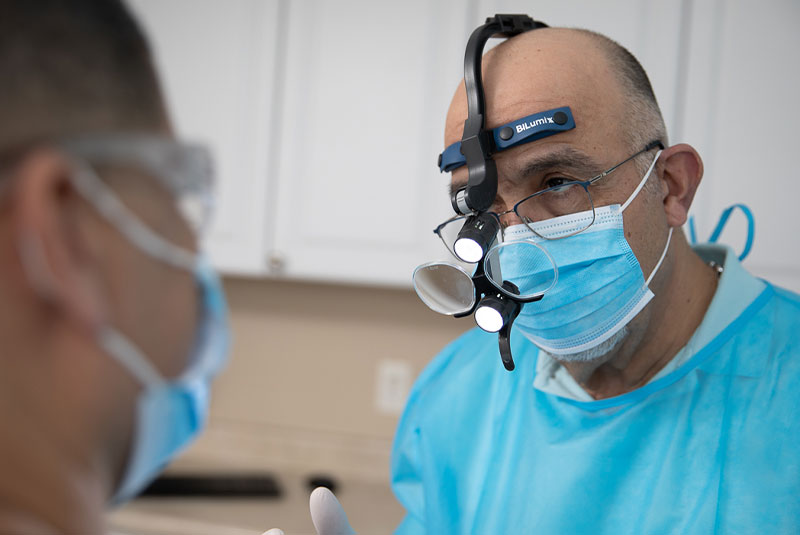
pixel 185 170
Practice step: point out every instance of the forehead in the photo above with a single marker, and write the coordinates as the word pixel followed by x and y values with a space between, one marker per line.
pixel 545 69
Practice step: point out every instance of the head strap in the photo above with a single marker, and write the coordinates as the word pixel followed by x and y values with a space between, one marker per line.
pixel 477 144
pixel 525 130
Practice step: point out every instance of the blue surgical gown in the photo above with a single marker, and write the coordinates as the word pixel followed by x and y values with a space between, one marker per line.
pixel 711 447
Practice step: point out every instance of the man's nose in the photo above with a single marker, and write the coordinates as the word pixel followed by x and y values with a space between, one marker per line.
pixel 505 211
pixel 509 218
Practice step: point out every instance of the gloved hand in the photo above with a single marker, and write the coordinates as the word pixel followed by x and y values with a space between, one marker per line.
pixel 326 513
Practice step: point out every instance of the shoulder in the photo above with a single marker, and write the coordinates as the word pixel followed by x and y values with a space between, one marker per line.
pixel 467 360
pixel 787 298
pixel 467 378
pixel 780 321
pixel 779 318
pixel 765 341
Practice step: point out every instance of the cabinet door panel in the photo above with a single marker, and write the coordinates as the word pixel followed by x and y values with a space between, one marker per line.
pixel 366 89
pixel 216 62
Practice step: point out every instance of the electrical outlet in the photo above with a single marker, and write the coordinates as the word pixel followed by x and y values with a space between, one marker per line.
pixel 392 385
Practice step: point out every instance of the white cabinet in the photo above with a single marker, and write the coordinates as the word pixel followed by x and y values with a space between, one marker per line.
pixel 217 65
pixel 326 118
pixel 742 116
pixel 366 90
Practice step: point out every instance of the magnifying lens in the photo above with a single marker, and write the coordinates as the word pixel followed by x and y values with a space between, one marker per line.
pixel 510 275
pixel 445 288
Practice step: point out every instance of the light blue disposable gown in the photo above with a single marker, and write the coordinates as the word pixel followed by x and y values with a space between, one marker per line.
pixel 712 447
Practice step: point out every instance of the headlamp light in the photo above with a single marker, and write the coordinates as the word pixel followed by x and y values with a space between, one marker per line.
pixel 476 237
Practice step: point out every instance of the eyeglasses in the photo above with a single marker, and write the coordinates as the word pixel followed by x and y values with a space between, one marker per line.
pixel 568 197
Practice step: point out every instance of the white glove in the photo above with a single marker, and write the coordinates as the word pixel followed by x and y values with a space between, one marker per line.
pixel 326 513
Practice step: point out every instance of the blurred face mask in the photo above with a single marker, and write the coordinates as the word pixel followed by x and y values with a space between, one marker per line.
pixel 168 413
pixel 600 287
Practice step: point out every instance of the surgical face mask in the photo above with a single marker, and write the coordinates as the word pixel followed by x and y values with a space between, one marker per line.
pixel 168 413
pixel 600 286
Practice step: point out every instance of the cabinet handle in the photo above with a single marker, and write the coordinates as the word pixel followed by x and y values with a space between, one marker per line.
pixel 276 262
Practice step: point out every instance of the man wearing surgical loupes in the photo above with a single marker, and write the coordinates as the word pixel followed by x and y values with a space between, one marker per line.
pixel 655 388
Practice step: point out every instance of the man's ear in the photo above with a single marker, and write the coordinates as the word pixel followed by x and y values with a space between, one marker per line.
pixel 49 222
pixel 680 172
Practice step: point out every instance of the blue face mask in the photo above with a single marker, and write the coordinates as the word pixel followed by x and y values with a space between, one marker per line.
pixel 600 286
pixel 169 413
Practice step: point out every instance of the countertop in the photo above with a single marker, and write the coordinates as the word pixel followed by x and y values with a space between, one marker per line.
pixel 371 508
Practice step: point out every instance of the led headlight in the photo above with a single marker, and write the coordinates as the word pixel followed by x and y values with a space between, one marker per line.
pixel 476 236
pixel 494 311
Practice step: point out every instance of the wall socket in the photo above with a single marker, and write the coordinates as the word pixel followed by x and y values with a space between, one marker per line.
pixel 392 385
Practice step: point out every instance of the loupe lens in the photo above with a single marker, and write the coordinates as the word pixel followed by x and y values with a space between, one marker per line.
pixel 445 288
pixel 525 264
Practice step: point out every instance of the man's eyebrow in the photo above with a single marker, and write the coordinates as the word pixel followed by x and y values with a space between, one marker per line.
pixel 566 158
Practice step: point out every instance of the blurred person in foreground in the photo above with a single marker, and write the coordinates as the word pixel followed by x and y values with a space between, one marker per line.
pixel 112 321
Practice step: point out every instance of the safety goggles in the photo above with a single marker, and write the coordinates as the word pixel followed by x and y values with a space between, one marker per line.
pixel 184 170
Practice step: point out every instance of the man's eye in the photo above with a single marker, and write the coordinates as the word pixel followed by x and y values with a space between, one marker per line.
pixel 554 182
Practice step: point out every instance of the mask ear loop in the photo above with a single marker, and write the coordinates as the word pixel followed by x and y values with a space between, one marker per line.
pixel 129 356
pixel 40 275
pixel 663 255
pixel 641 184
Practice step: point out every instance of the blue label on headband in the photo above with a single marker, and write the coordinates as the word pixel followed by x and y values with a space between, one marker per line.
pixel 525 130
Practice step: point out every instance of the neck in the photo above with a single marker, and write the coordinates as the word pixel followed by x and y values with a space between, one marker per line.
pixel 43 488
pixel 52 481
pixel 657 334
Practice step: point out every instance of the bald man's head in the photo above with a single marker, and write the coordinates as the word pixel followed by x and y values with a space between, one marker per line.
pixel 605 86
pixel 643 113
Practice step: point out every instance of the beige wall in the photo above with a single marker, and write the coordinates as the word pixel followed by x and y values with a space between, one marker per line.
pixel 299 392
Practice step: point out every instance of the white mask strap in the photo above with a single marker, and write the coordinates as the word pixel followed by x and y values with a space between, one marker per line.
pixel 663 254
pixel 129 356
pixel 105 201
pixel 642 183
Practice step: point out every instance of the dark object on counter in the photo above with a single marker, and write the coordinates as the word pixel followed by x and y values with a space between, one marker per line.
pixel 322 480
pixel 215 486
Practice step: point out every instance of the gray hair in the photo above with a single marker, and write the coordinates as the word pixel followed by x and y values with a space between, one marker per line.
pixel 644 122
